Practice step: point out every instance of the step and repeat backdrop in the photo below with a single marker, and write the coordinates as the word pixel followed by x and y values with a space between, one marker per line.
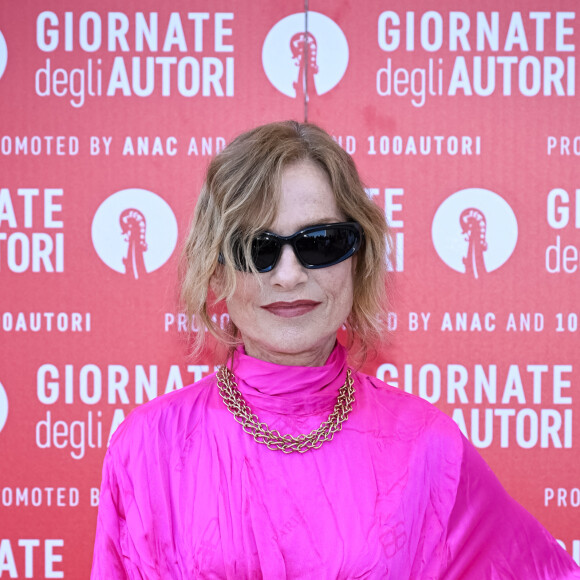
pixel 464 120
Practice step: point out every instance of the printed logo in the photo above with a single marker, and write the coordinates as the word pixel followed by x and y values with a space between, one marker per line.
pixel 3 407
pixel 134 232
pixel 3 54
pixel 474 231
pixel 304 55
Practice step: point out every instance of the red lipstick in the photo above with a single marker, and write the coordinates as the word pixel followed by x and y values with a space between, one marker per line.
pixel 291 309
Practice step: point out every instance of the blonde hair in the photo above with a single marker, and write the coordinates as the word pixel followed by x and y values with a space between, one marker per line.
pixel 239 199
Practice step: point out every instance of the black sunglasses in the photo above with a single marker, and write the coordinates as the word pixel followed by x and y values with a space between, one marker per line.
pixel 315 247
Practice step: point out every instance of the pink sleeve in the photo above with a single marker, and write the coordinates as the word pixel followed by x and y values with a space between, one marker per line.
pixel 111 525
pixel 489 535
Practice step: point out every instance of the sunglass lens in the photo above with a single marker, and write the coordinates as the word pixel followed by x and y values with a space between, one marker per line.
pixel 265 252
pixel 326 246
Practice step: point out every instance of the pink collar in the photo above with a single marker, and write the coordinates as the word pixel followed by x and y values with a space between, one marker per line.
pixel 290 390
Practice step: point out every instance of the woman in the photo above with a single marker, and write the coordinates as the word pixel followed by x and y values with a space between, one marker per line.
pixel 321 472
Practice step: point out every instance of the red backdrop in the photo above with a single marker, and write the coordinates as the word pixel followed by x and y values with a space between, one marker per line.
pixel 464 123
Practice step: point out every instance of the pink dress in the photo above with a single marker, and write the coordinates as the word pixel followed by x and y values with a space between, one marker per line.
pixel 399 493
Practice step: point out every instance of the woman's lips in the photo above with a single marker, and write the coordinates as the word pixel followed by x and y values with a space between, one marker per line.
pixel 291 309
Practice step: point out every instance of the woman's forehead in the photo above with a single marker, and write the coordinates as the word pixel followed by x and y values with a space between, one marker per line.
pixel 306 194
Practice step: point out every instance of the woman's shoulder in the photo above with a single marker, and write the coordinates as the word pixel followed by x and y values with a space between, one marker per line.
pixel 166 415
pixel 407 414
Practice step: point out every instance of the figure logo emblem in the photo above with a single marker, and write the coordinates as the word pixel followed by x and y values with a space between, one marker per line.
pixel 474 231
pixel 133 225
pixel 3 54
pixel 305 56
pixel 134 232
pixel 3 407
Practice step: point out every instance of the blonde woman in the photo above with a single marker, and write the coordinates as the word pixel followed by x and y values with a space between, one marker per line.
pixel 289 462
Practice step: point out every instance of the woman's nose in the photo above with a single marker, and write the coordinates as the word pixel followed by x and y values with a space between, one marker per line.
pixel 288 272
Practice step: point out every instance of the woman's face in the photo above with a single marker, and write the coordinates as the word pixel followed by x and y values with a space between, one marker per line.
pixel 293 316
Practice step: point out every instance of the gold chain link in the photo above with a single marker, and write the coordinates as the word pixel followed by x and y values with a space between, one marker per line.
pixel 272 438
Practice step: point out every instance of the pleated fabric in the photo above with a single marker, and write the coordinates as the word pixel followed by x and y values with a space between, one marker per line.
pixel 398 493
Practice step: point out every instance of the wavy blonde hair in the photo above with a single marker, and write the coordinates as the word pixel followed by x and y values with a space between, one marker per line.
pixel 239 199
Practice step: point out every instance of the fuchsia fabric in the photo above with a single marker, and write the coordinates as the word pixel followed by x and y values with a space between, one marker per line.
pixel 399 493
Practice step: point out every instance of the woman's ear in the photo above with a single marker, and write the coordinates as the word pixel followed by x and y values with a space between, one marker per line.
pixel 216 281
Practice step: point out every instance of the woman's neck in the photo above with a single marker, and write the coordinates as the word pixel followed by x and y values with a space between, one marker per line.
pixel 313 357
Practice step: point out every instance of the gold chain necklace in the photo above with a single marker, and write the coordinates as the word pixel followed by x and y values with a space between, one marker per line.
pixel 272 438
